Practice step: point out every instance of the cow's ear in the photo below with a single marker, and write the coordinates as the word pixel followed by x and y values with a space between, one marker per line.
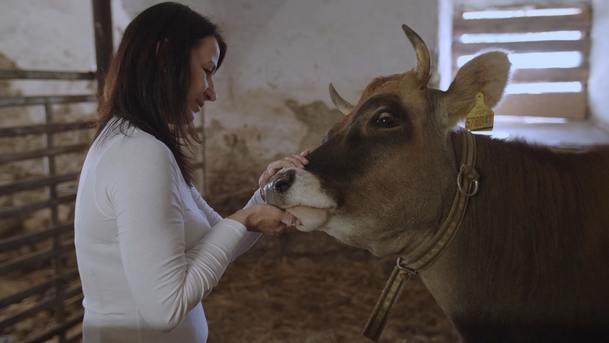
pixel 487 73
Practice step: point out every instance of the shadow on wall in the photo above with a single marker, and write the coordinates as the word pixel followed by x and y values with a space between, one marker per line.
pixel 317 118
pixel 236 173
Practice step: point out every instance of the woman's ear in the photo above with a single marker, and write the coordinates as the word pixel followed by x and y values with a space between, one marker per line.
pixel 487 74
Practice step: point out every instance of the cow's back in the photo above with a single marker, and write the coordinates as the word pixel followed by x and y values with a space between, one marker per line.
pixel 530 260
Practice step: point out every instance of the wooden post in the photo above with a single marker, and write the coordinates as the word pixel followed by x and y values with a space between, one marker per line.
pixel 57 237
pixel 104 46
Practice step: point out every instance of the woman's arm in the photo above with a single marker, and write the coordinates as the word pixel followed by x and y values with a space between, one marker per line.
pixel 165 281
pixel 249 239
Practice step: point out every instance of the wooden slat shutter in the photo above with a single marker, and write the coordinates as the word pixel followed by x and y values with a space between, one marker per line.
pixel 554 33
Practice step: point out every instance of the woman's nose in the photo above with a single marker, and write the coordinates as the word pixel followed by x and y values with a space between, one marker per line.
pixel 210 93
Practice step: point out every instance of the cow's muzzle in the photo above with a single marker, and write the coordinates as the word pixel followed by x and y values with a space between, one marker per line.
pixel 299 192
pixel 282 181
pixel 278 186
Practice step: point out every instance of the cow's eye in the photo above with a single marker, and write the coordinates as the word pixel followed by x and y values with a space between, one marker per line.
pixel 385 120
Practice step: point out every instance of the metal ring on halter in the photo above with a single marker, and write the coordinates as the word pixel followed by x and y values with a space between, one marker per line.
pixel 460 186
pixel 404 268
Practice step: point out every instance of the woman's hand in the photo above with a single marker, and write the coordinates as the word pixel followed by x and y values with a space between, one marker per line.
pixel 265 219
pixel 293 161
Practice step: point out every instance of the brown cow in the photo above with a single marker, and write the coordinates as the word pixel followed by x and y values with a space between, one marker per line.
pixel 530 260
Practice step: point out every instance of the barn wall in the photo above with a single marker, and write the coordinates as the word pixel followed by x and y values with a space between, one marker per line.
pixel 272 90
pixel 55 35
pixel 599 64
pixel 47 35
pixel 273 87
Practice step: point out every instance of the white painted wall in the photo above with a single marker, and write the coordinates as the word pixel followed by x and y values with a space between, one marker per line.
pixel 48 34
pixel 272 89
pixel 296 46
pixel 289 50
pixel 282 55
pixel 599 65
pixel 52 35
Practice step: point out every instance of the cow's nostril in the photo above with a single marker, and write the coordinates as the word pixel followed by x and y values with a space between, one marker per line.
pixel 284 181
pixel 282 185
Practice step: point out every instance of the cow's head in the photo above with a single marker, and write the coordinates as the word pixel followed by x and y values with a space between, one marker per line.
pixel 380 179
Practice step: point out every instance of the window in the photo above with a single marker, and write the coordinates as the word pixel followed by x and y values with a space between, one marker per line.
pixel 548 47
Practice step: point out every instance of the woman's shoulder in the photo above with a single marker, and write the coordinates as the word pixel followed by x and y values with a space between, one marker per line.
pixel 134 146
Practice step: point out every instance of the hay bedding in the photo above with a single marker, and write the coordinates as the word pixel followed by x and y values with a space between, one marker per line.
pixel 299 288
pixel 307 288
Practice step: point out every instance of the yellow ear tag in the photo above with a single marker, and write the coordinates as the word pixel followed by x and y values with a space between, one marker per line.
pixel 480 116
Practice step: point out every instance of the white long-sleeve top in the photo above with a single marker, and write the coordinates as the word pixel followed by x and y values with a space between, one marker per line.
pixel 148 247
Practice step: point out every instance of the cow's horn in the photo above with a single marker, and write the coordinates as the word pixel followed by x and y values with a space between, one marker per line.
pixel 341 104
pixel 423 60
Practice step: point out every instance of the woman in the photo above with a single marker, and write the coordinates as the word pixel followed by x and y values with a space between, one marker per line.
pixel 148 247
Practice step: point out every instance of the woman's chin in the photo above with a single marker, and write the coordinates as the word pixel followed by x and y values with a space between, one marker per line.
pixel 310 218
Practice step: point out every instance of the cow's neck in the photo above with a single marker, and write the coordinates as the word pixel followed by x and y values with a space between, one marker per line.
pixel 436 237
pixel 515 247
pixel 445 276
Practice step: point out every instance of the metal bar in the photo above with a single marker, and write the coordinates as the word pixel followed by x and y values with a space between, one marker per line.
pixel 20 186
pixel 27 313
pixel 32 259
pixel 6 74
pixel 31 238
pixel 25 261
pixel 75 338
pixel 75 301
pixel 71 321
pixel 28 155
pixel 74 291
pixel 104 45
pixel 22 211
pixel 57 260
pixel 43 99
pixel 43 129
pixel 19 296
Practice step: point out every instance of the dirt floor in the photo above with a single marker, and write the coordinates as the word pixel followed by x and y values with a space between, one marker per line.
pixel 308 288
pixel 298 288
pixel 302 288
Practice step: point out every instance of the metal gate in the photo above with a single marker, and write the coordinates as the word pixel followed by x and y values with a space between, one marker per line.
pixel 49 307
pixel 41 298
pixel 50 250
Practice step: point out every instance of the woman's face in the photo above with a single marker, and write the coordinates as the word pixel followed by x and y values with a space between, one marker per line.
pixel 203 63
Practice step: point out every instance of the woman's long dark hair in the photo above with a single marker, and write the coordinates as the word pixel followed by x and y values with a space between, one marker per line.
pixel 149 77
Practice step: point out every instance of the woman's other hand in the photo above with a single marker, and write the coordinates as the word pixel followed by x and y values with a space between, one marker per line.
pixel 265 219
pixel 292 161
